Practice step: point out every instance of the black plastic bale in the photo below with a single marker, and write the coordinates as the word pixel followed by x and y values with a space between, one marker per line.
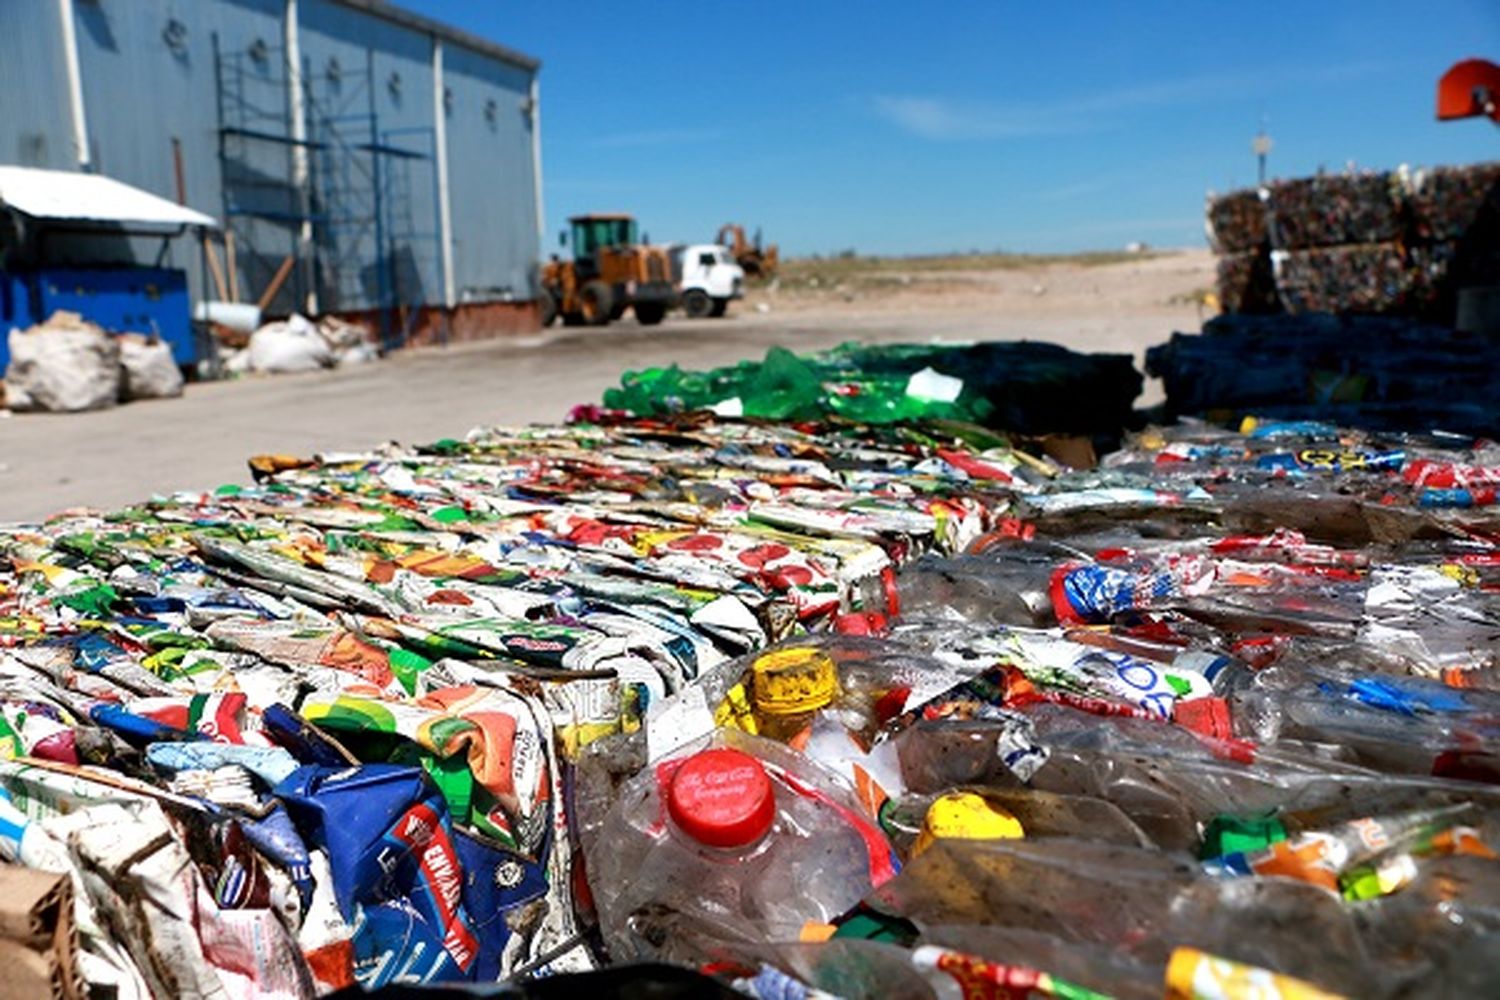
pixel 1366 371
pixel 1035 388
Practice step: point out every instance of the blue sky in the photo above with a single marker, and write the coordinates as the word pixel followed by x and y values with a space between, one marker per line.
pixel 898 127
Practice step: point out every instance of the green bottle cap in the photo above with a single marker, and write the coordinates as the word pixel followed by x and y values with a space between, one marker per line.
pixel 1239 834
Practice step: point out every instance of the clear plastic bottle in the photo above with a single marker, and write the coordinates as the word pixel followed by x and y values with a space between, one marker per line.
pixel 734 837
pixel 1007 585
pixel 835 698
pixel 1408 725
pixel 1034 813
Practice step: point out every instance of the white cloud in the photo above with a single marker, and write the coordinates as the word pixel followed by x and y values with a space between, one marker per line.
pixel 934 118
pixel 1080 189
pixel 949 119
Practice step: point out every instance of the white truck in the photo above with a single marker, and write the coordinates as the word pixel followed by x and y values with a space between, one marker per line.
pixel 707 277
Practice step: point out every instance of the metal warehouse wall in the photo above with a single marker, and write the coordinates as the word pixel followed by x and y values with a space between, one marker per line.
pixel 149 75
pixel 34 129
pixel 490 173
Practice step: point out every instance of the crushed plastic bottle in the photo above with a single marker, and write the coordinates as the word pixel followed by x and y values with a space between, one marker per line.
pixel 894 709
pixel 735 833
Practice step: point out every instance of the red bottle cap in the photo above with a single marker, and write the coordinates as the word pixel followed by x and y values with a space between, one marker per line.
pixel 722 798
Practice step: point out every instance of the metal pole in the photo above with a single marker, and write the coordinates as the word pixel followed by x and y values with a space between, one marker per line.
pixel 386 305
pixel 75 85
pixel 202 331
pixel 1261 147
pixel 431 136
pixel 440 140
pixel 536 160
pixel 177 172
pixel 224 203
pixel 301 173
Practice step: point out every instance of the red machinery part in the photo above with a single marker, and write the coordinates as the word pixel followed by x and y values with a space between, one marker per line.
pixel 1469 89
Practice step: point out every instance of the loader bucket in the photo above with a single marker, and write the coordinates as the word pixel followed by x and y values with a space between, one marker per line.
pixel 1469 89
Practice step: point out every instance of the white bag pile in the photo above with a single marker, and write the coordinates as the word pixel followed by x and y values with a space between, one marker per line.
pixel 148 368
pixel 64 365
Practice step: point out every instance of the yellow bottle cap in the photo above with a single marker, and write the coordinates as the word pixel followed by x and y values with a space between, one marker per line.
pixel 965 816
pixel 792 681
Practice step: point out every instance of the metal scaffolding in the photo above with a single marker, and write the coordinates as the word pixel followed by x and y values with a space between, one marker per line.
pixel 361 198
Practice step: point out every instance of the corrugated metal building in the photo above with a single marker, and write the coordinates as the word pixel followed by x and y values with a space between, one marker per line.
pixel 394 159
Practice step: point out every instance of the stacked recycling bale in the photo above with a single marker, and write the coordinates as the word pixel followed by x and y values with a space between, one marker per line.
pixel 1237 222
pixel 1353 278
pixel 1445 203
pixel 1247 283
pixel 1336 243
pixel 1394 242
pixel 1454 232
pixel 1433 277
pixel 1365 269
pixel 1332 210
pixel 1237 231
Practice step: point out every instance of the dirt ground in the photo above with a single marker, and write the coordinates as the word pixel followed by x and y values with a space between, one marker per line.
pixel 112 457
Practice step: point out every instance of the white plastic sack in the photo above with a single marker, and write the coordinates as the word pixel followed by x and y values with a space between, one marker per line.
pixel 64 365
pixel 351 343
pixel 232 362
pixel 149 370
pixel 294 345
pixel 343 335
pixel 932 384
pixel 358 354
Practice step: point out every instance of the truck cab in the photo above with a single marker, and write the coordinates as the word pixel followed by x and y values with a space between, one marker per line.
pixel 708 278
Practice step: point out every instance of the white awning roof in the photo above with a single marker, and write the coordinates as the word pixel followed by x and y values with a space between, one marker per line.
pixel 67 195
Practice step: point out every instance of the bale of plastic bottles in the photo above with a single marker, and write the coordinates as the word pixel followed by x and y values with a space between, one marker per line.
pixel 698 705
pixel 1444 203
pixel 1400 243
pixel 1236 222
pixel 1434 272
pixel 1246 283
pixel 1360 278
pixel 1334 209
pixel 1368 371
